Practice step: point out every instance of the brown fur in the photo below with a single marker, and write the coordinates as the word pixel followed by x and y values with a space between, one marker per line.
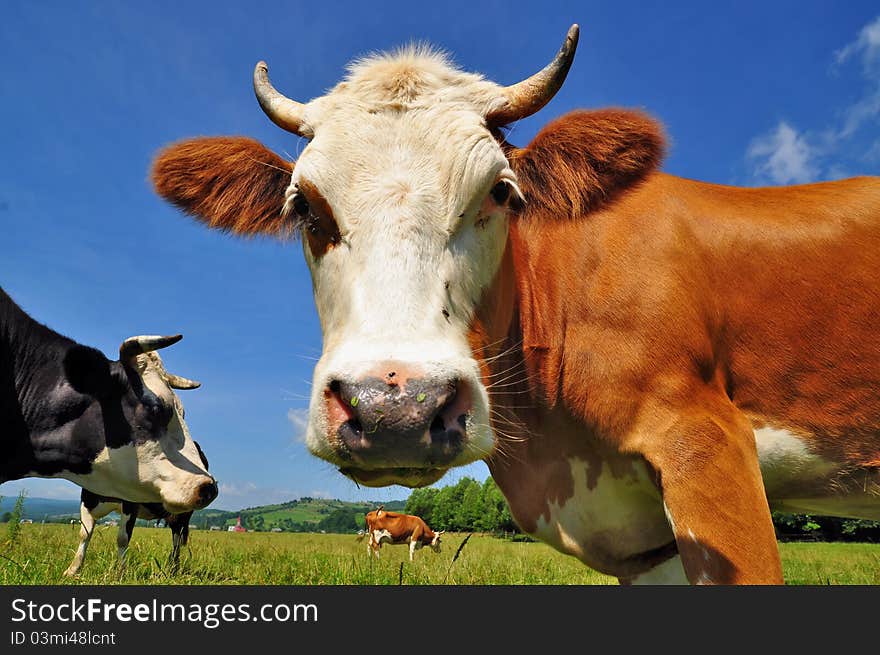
pixel 585 159
pixel 234 184
pixel 661 324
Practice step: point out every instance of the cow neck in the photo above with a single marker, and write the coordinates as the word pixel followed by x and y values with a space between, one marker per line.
pixel 519 325
pixel 31 356
pixel 522 319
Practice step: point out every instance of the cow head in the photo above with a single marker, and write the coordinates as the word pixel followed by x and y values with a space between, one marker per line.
pixel 403 198
pixel 136 425
pixel 435 542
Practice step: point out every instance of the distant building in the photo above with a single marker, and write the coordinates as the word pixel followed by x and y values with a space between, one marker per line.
pixel 215 528
pixel 276 529
pixel 237 527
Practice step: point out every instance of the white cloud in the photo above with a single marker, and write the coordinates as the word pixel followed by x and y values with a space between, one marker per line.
pixel 237 489
pixel 867 44
pixel 783 156
pixel 789 156
pixel 863 111
pixel 299 419
pixel 239 494
pixel 867 48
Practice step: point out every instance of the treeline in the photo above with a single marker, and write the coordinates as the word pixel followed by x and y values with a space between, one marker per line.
pixel 804 527
pixel 469 506
pixel 466 506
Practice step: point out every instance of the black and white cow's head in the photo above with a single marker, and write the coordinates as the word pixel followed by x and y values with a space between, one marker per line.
pixel 130 439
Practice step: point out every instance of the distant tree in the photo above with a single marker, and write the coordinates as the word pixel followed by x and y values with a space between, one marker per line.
pixel 421 503
pixel 470 509
pixel 14 525
pixel 6 517
pixel 341 521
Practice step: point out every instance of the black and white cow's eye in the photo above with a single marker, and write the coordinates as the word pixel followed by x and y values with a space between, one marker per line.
pixel 501 192
pixel 300 205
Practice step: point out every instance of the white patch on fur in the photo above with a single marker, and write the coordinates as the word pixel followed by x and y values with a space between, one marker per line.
pixel 785 460
pixel 401 154
pixel 669 516
pixel 620 517
pixel 669 572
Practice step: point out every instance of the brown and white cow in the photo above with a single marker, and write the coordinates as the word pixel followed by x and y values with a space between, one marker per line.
pixel 383 527
pixel 642 360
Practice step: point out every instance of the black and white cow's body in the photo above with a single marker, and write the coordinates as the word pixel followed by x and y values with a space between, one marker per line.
pixel 94 507
pixel 115 427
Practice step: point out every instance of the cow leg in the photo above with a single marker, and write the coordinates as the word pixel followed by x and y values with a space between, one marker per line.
pixel 175 548
pixel 179 537
pixel 86 528
pixel 412 549
pixel 126 527
pixel 377 544
pixel 714 496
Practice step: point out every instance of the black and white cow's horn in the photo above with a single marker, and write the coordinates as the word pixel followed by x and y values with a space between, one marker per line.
pixel 179 382
pixel 525 98
pixel 134 346
pixel 284 112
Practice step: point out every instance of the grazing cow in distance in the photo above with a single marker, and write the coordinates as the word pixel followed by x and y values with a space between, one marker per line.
pixel 114 427
pixel 384 527
pixel 648 364
pixel 94 507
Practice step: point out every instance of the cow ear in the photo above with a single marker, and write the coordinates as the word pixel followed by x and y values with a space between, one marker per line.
pixel 233 184
pixel 88 371
pixel 586 159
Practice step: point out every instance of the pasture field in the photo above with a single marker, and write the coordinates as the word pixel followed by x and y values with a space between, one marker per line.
pixel 41 552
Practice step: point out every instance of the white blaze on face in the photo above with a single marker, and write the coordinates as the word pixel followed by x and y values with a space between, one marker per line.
pixel 402 156
pixel 172 464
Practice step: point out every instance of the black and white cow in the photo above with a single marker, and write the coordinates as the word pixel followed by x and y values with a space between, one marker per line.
pixel 114 427
pixel 94 507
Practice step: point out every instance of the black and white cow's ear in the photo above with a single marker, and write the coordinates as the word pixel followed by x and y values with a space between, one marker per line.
pixel 88 371
pixel 232 184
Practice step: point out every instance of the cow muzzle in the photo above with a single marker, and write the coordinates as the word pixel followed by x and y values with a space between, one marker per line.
pixel 397 427
pixel 200 497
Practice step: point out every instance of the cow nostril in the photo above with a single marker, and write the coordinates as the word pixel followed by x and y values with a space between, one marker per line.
pixel 207 492
pixel 334 386
pixel 355 426
pixel 437 425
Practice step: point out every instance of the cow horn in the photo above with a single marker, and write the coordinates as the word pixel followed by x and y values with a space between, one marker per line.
pixel 134 346
pixel 284 112
pixel 525 98
pixel 179 382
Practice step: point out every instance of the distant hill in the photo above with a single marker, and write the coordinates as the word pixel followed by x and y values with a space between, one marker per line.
pixel 39 509
pixel 303 515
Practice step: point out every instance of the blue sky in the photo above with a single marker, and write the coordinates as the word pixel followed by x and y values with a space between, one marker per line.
pixel 750 93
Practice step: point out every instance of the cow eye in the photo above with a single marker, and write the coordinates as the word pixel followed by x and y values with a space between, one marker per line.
pixel 501 192
pixel 300 205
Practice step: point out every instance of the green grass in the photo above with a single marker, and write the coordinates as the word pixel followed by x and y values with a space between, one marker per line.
pixel 42 552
